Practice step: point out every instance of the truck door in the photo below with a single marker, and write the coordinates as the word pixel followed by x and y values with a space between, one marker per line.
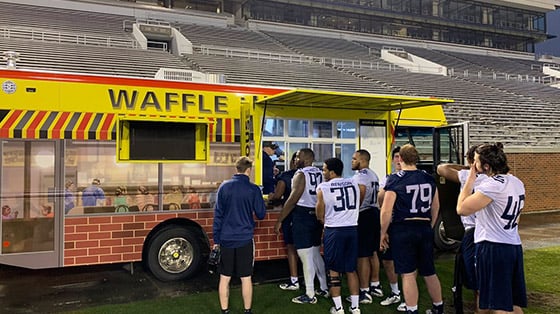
pixel 450 144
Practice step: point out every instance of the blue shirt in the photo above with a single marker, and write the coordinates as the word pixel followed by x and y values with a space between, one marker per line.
pixel 287 177
pixel 237 199
pixel 91 194
pixel 415 191
pixel 268 181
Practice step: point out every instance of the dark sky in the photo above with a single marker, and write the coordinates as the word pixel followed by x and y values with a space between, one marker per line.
pixel 551 46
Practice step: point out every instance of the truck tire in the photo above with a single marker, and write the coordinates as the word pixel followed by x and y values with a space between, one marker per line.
pixel 174 253
pixel 441 241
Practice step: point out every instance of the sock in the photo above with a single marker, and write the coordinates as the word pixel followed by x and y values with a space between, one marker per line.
pixel 306 257
pixel 337 302
pixel 294 280
pixel 355 301
pixel 412 308
pixel 320 268
pixel 436 304
pixel 395 288
pixel 374 283
pixel 364 289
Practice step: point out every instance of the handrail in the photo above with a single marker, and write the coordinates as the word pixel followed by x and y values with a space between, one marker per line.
pixel 64 37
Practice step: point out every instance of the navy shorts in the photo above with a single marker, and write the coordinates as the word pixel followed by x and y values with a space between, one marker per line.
pixel 341 249
pixel 369 232
pixel 468 253
pixel 287 232
pixel 412 244
pixel 306 229
pixel 500 275
pixel 238 261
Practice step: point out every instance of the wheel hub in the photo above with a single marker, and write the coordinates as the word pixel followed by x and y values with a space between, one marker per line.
pixel 176 255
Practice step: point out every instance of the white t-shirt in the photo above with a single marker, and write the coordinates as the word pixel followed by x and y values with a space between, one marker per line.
pixel 369 179
pixel 342 202
pixel 497 222
pixel 468 221
pixel 313 177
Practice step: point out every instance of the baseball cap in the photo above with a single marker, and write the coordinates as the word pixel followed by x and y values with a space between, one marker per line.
pixel 270 144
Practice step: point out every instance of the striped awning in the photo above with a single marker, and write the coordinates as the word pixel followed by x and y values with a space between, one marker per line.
pixel 38 124
pixel 35 124
pixel 225 130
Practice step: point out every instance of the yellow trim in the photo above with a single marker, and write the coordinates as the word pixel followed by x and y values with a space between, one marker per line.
pixel 348 101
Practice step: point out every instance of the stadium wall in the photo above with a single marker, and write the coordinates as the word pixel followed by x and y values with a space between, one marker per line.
pixel 540 172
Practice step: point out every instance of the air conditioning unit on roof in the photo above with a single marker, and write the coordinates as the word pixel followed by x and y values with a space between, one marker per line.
pixel 171 74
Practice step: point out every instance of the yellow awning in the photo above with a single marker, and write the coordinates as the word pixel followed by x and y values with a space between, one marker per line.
pixel 349 101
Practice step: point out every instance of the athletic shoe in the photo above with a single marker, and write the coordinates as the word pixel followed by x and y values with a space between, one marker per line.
pixel 291 286
pixel 365 298
pixel 435 310
pixel 304 299
pixel 322 293
pixel 392 299
pixel 335 311
pixel 354 310
pixel 401 307
pixel 376 291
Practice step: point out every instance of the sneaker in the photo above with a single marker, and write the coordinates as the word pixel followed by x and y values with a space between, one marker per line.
pixel 291 286
pixel 392 299
pixel 249 311
pixel 365 298
pixel 376 291
pixel 401 307
pixel 304 299
pixel 322 293
pixel 336 311
pixel 411 312
pixel 435 310
pixel 354 310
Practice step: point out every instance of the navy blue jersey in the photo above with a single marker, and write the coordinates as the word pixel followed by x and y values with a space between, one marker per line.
pixel 415 191
pixel 287 177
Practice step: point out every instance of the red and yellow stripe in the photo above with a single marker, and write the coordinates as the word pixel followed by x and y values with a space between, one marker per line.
pixel 40 124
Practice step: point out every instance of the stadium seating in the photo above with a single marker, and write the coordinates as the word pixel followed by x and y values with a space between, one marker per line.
pixel 89 59
pixel 502 102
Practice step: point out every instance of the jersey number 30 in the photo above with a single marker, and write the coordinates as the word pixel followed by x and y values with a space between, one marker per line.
pixel 346 198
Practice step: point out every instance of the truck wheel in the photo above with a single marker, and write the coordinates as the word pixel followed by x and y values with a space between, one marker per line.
pixel 441 241
pixel 174 253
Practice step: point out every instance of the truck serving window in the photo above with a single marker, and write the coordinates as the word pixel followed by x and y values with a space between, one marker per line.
pixel 162 141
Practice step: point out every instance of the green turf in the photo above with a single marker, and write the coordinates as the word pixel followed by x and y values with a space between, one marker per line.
pixel 541 267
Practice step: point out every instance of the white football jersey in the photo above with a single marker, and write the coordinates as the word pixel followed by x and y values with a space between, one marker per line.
pixel 497 222
pixel 342 202
pixel 313 177
pixel 468 221
pixel 369 179
pixel 383 181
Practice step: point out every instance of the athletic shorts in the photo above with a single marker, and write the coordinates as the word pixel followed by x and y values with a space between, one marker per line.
pixel 341 249
pixel 468 252
pixel 306 229
pixel 500 275
pixel 287 232
pixel 412 244
pixel 369 229
pixel 238 261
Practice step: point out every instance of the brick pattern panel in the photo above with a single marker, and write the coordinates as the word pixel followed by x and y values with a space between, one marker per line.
pixel 541 175
pixel 119 237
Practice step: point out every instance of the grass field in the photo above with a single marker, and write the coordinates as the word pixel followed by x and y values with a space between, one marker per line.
pixel 541 272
